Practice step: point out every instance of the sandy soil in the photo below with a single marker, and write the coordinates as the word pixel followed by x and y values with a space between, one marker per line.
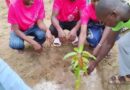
pixel 48 71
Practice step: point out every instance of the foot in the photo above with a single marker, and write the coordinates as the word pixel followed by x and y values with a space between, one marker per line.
pixel 57 42
pixel 119 79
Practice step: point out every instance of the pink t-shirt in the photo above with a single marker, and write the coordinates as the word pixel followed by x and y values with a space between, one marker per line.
pixel 89 13
pixel 25 16
pixel 67 10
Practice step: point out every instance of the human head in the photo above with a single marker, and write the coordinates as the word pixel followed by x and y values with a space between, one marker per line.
pixel 110 12
pixel 28 2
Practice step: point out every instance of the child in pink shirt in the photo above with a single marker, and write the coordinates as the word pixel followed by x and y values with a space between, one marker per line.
pixel 26 18
pixel 66 15
pixel 91 28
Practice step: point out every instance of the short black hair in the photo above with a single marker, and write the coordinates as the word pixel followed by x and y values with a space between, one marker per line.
pixel 105 7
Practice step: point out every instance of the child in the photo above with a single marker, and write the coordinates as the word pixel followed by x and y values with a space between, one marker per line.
pixel 26 19
pixel 66 15
pixel 91 28
pixel 115 14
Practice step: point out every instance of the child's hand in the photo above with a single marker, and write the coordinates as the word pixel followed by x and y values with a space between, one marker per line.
pixel 62 36
pixel 37 47
pixel 49 39
pixel 72 35
pixel 49 35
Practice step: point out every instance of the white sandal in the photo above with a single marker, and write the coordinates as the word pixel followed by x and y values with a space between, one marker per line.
pixel 57 42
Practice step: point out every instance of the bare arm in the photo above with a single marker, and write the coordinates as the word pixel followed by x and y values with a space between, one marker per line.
pixel 106 32
pixel 83 35
pixel 56 24
pixel 107 45
pixel 55 21
pixel 42 25
pixel 73 32
pixel 77 26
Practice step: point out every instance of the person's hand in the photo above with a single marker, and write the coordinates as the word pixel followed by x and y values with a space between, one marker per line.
pixel 37 47
pixel 49 39
pixel 62 36
pixel 72 35
pixel 92 66
pixel 49 35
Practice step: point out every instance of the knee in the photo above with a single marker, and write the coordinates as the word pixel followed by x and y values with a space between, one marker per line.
pixel 40 35
pixel 16 44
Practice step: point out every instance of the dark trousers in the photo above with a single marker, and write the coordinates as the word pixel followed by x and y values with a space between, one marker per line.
pixel 64 25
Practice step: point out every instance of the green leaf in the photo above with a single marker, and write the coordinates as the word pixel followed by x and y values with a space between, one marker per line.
pixel 85 54
pixel 85 60
pixel 69 55
pixel 84 69
pixel 76 49
pixel 93 58
pixel 73 61
pixel 81 49
pixel 88 55
pixel 77 72
pixel 75 58
pixel 75 65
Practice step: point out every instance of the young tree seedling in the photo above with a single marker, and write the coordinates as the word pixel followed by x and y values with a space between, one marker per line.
pixel 79 63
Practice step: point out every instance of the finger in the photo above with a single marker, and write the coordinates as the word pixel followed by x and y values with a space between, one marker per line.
pixel 88 71
pixel 38 51
pixel 64 39
pixel 71 39
pixel 61 39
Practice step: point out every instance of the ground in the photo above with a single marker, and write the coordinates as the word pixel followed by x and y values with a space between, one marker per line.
pixel 48 71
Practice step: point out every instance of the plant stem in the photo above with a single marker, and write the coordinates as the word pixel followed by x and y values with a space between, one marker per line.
pixel 81 62
pixel 77 82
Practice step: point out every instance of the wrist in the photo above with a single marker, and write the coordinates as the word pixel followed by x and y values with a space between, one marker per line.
pixel 99 44
pixel 59 29
pixel 33 42
pixel 47 30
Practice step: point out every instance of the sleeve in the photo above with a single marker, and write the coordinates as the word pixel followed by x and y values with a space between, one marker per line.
pixel 82 4
pixel 12 15
pixel 41 14
pixel 56 5
pixel 85 16
pixel 84 12
pixel 118 27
